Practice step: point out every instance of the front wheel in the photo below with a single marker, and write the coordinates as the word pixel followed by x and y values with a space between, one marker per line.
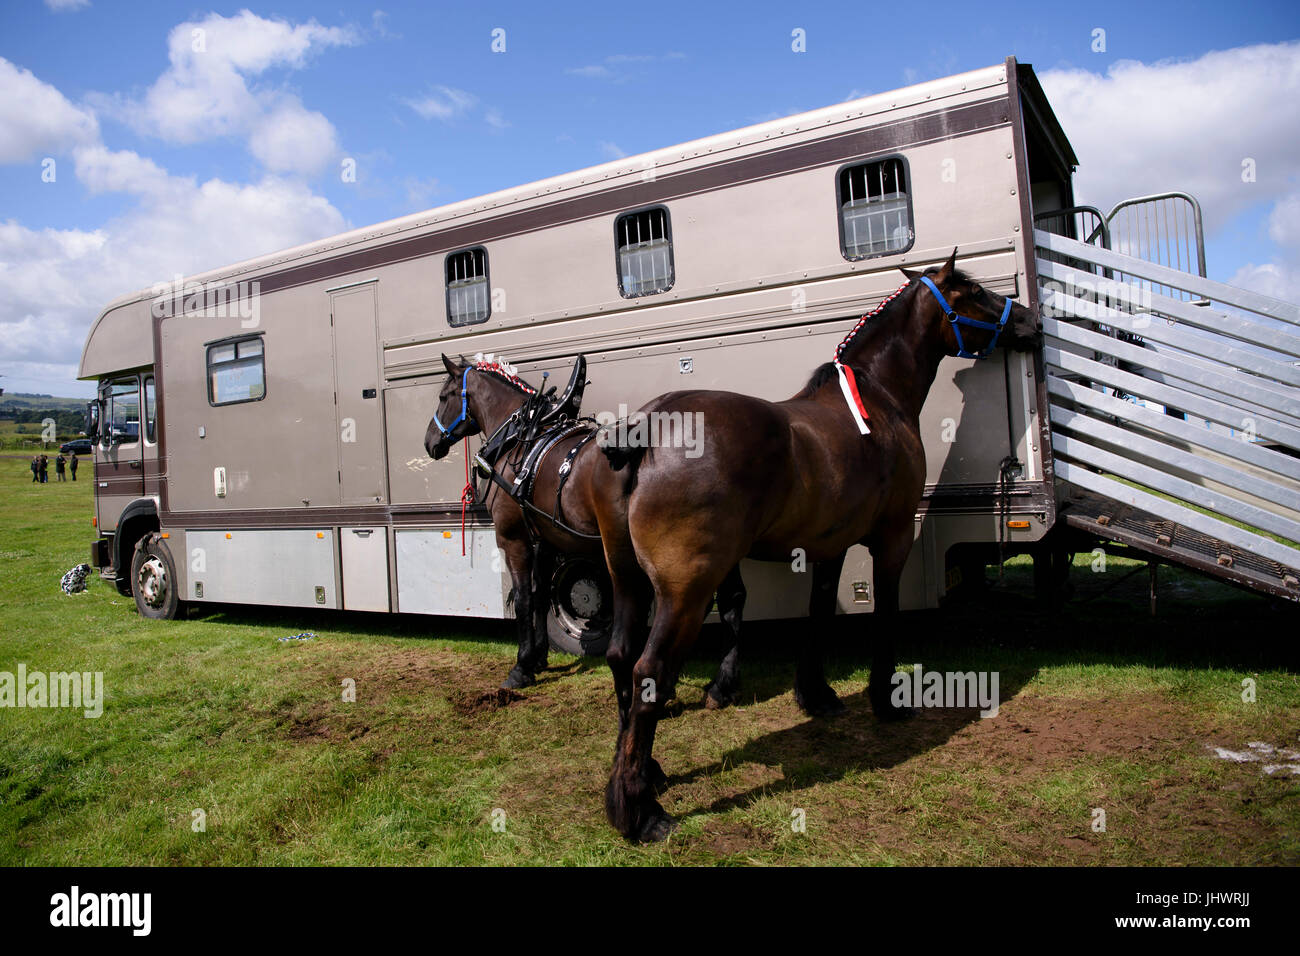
pixel 153 579
pixel 582 604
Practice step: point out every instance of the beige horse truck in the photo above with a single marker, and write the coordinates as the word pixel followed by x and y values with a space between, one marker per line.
pixel 259 428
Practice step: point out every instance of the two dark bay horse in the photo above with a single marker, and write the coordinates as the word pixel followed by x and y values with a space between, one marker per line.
pixel 840 463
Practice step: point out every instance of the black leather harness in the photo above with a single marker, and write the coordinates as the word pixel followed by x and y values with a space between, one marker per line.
pixel 536 427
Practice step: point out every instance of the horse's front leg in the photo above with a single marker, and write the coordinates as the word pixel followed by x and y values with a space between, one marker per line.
pixel 519 560
pixel 812 693
pixel 893 550
pixel 731 607
pixel 543 572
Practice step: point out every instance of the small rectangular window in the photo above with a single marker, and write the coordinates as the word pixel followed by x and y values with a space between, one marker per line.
pixel 236 372
pixel 468 302
pixel 644 247
pixel 875 209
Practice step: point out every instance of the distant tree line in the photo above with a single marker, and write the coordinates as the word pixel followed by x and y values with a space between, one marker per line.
pixel 67 420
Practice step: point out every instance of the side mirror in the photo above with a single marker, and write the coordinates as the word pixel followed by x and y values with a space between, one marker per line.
pixel 92 420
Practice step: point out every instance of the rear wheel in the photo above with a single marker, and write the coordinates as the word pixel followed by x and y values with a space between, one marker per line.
pixel 582 604
pixel 153 579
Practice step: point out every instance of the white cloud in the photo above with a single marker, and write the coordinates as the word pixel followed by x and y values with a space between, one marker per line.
pixel 1188 125
pixel 36 119
pixel 622 61
pixel 53 283
pixel 1284 221
pixel 1281 281
pixel 1281 277
pixel 444 103
pixel 291 138
pixel 102 170
pixel 420 192
pixel 205 92
pixel 611 150
pixel 594 71
pixel 65 6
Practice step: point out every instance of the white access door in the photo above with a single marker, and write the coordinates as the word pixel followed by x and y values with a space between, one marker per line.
pixel 365 568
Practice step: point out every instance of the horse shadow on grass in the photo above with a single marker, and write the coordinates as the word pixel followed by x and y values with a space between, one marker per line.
pixel 1001 629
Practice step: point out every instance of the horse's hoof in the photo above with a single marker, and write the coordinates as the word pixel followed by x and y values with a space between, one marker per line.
pixel 823 704
pixel 517 679
pixel 657 829
pixel 715 699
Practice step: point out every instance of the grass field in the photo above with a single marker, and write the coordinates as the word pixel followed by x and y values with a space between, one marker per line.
pixel 1103 708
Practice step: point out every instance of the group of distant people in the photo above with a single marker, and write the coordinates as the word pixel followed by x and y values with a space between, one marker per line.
pixel 41 467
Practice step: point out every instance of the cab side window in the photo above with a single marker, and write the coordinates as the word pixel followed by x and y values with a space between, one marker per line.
pixel 122 411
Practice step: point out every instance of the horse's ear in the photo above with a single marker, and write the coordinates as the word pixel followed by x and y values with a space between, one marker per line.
pixel 449 366
pixel 945 273
pixel 909 273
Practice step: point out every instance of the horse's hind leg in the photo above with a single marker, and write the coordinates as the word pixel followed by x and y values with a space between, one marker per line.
pixel 811 691
pixel 731 606
pixel 630 803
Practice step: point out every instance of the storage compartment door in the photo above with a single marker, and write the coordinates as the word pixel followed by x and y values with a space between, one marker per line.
pixel 365 568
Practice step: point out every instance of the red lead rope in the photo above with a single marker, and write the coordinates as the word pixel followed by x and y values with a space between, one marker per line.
pixel 466 499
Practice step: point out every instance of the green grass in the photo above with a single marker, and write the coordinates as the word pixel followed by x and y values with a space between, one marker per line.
pixel 1103 707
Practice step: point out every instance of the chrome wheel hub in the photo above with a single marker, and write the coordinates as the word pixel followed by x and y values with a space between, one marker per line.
pixel 153 582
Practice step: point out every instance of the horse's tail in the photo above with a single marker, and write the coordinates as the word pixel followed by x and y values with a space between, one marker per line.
pixel 622 455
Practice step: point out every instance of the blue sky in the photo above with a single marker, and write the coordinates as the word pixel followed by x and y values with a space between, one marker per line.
pixel 148 150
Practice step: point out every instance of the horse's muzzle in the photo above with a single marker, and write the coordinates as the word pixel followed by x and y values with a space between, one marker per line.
pixel 435 446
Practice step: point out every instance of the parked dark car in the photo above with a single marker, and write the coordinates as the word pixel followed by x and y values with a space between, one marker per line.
pixel 80 446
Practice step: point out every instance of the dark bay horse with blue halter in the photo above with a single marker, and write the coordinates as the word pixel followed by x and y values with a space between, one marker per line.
pixel 480 397
pixel 840 463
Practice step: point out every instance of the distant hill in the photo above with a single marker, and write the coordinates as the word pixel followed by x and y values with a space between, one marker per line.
pixel 13 401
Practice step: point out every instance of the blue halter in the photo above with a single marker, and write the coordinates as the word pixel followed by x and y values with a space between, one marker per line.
pixel 959 320
pixel 464 407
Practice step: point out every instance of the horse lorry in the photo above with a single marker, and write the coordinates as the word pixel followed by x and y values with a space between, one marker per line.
pixel 284 399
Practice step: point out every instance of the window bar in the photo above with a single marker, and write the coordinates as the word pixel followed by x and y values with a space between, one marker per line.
pixel 853 220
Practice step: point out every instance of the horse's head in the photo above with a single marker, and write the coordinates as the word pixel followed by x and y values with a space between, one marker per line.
pixel 468 404
pixel 452 420
pixel 972 320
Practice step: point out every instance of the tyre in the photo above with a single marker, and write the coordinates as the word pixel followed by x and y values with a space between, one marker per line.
pixel 153 579
pixel 581 613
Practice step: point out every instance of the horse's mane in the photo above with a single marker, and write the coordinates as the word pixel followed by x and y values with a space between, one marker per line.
pixel 825 372
pixel 501 370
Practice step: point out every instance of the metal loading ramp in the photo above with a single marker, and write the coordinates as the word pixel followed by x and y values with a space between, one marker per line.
pixel 1175 411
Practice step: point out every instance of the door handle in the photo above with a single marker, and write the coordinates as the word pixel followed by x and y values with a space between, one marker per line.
pixel 368 393
pixel 135 465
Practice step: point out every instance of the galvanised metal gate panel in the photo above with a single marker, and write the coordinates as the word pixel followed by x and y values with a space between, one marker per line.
pixel 1177 396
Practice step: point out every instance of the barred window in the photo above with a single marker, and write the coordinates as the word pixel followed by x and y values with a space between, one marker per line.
pixel 468 302
pixel 644 248
pixel 875 209
pixel 236 371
